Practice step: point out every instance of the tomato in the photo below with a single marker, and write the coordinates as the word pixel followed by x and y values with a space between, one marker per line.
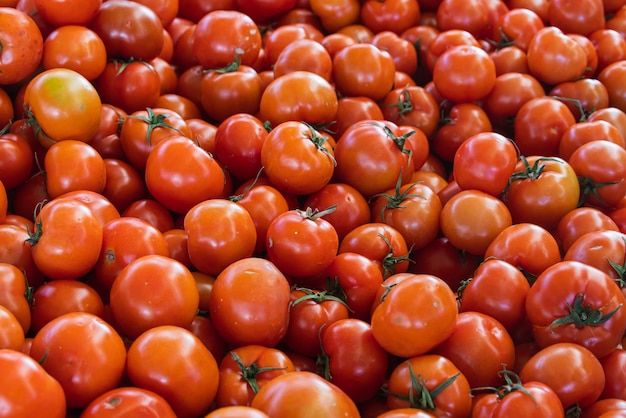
pixel 602 249
pixel 582 132
pixel 262 11
pixel 527 246
pixel 78 335
pixel 222 36
pixel 17 296
pixel 610 77
pixel 590 51
pixel 316 102
pixel 373 77
pixel 518 399
pixel 381 243
pixel 107 141
pixel 180 174
pixel 352 359
pixel 275 40
pixel 614 366
pixel 58 297
pixel 185 107
pixel 245 370
pixel 413 209
pixel 16 159
pixel 609 46
pixel 18 254
pixel 130 85
pixel 304 54
pixel 464 73
pixel 394 15
pixel 153 290
pixel 412 328
pixel 143 40
pixel 412 105
pixel 387 157
pixel 580 221
pixel 203 328
pixel 297 158
pixel 602 174
pixel 236 412
pixel 582 96
pixel 87 172
pixel 581 382
pixel 310 312
pixel 510 59
pixel 66 240
pixel 405 413
pixel 40 394
pixel 517 26
pixel 432 383
pixel 336 15
pixel 104 210
pixel 77 48
pixel 12 335
pixel 204 133
pixel 250 303
pixel 569 17
pixel 602 406
pixel 300 393
pixel 22 45
pixel 187 381
pixel 124 185
pixel 542 190
pixel 62 104
pixel 152 212
pixel 471 16
pixel 127 401
pixel 176 240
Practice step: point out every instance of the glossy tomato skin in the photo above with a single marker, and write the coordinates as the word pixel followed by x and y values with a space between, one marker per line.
pixel 127 402
pixel 574 302
pixel 130 86
pixel 301 393
pixel 40 394
pixel 249 303
pixel 600 249
pixel 25 43
pixel 15 298
pixel 528 398
pixel 84 353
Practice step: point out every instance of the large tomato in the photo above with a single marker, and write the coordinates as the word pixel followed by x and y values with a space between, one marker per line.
pixel 62 104
pixel 249 303
pixel 574 302
pixel 21 43
pixel 27 389
pixel 83 352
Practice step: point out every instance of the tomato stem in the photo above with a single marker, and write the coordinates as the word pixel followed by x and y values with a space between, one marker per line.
pixel 154 121
pixel 395 201
pixel 589 187
pixel 315 214
pixel 249 373
pixel 583 315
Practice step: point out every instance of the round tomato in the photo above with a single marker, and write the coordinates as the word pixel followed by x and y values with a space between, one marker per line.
pixel 127 401
pixel 12 334
pixel 16 159
pixel 580 221
pixel 394 15
pixel 17 295
pixel 602 249
pixel 413 106
pixel 22 45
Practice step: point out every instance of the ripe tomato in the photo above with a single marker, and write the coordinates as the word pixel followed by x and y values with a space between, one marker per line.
pixel 602 249
pixel 431 383
pixel 236 412
pixel 581 382
pixel 517 26
pixel 464 73
pixel 581 133
pixel 219 232
pixel 580 221
pixel 40 394
pixel 17 254
pixel 127 401
pixel 62 104
pixel 316 102
pixel 304 54
pixel 58 297
pixel 84 353
pixel 300 393
pixel 569 17
pixel 223 36
pixel 86 172
pixel 153 290
pixel 250 303
pixel 245 370
pixel 124 185
pixel 412 105
pixel 143 40
pixel 16 297
pixel 542 190
pixel 67 239
pixel 584 309
pixel 415 316
pixel 180 174
pixel 187 381
pixel 22 45
pixel 394 15
pixel 582 96
pixel 297 158
pixel 610 77
pixel 12 334
pixel 336 15
pixel 471 16
pixel 351 110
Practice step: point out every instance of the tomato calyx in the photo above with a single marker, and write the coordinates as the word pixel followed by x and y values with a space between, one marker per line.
pixel 395 201
pixel 582 315
pixel 419 397
pixel 400 141
pixel 319 140
pixel 530 172
pixel 6 127
pixel 513 383
pixel 250 373
pixel 154 121
pixel 230 68
pixel 317 296
pixel 584 113
pixel 122 63
pixel 589 187
pixel 315 214
pixel 621 272
pixel 31 121
pixel 390 261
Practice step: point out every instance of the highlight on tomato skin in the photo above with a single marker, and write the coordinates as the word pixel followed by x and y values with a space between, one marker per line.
pixel 287 208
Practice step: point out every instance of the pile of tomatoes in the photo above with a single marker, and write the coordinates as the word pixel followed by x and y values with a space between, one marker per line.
pixel 328 208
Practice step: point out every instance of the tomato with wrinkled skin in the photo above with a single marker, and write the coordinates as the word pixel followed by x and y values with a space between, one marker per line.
pixel 67 239
pixel 188 381
pixel 580 382
pixel 424 376
pixel 585 309
pixel 303 393
pixel 250 303
pixel 409 329
pixel 153 290
pixel 128 401
pixel 83 352
pixel 22 45
pixel 245 370
pixel 39 393
pixel 57 297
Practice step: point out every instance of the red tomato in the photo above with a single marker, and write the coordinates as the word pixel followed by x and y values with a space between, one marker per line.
pixel 127 401
pixel 584 309
pixel 250 303
pixel 236 412
pixel 583 132
pixel 124 184
pixel 22 44
pixel 153 290
pixel 431 383
pixel 84 353
pixel 395 15
pixel 580 221
pixel 187 381
pixel 16 297
pixel 16 159
pixel 12 334
pixel 17 254
pixel 602 249
pixel 415 316
pixel 414 106
pixel 569 17
pixel 40 394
